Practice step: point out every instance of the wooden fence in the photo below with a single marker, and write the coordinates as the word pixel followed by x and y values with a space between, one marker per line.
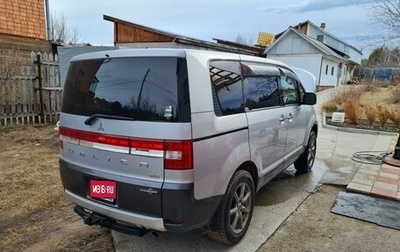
pixel 34 97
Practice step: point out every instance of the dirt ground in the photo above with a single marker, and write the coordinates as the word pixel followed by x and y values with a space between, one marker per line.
pixel 34 213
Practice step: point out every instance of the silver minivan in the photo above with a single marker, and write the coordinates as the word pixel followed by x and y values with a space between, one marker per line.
pixel 175 140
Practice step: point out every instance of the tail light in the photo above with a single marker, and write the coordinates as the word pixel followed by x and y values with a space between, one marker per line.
pixel 69 135
pixel 178 155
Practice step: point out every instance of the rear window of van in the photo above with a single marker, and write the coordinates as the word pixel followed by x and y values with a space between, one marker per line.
pixel 140 88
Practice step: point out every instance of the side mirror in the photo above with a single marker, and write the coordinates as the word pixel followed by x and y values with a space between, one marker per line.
pixel 309 99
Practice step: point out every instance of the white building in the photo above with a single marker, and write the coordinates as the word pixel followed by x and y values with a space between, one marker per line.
pixel 310 47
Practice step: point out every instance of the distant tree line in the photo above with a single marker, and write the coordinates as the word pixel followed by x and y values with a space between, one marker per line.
pixel 383 56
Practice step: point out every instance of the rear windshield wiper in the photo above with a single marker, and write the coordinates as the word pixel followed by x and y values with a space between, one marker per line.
pixel 95 116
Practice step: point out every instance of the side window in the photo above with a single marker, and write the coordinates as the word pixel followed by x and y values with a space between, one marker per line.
pixel 227 87
pixel 260 85
pixel 261 91
pixel 290 88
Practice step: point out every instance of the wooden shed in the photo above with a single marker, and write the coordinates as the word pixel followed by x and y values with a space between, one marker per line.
pixel 127 34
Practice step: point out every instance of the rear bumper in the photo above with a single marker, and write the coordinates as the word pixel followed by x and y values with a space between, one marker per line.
pixel 172 208
pixel 114 213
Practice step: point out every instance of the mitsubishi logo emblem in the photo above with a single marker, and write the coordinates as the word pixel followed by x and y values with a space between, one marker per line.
pixel 100 128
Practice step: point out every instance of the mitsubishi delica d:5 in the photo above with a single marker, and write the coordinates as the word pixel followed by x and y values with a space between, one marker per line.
pixel 175 140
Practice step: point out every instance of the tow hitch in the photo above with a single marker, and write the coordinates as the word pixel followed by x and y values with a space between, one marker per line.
pixel 96 219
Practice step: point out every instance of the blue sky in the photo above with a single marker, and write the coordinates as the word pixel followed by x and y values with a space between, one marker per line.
pixel 223 19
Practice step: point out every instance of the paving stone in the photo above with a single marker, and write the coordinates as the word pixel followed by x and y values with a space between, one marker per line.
pixel 390 170
pixel 385 193
pixel 386 166
pixel 368 171
pixel 385 186
pixel 388 180
pixel 360 188
pixel 364 179
pixel 389 175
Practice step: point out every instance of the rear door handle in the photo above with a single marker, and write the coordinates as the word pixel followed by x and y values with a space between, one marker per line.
pixel 282 118
pixel 290 116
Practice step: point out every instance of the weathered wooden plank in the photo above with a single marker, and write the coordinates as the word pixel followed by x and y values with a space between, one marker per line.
pixel 19 103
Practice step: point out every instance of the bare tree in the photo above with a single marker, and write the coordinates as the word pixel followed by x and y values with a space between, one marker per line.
pixel 242 40
pixel 60 32
pixel 11 63
pixel 387 14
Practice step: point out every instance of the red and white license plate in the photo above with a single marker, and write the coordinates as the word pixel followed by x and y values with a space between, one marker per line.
pixel 103 189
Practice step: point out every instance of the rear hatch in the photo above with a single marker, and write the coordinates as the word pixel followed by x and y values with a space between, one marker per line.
pixel 124 121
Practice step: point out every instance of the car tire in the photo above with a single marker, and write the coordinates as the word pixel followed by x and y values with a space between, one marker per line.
pixel 306 160
pixel 236 210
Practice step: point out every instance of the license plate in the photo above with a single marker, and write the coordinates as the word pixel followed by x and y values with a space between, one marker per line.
pixel 103 189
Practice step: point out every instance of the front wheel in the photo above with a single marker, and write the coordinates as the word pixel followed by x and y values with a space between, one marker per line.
pixel 236 209
pixel 306 160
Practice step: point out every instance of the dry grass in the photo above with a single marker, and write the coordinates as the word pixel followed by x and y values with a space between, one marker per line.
pixel 347 93
pixel 395 95
pixel 365 95
pixel 383 115
pixel 383 96
pixel 394 116
pixel 32 203
pixel 352 110
pixel 330 106
pixel 370 114
pixel 379 101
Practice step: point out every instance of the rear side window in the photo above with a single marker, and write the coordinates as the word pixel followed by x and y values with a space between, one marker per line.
pixel 145 88
pixel 261 87
pixel 227 87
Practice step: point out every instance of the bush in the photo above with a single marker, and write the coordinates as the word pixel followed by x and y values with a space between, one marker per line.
pixel 352 110
pixel 329 106
pixel 370 114
pixel 344 94
pixel 394 116
pixel 369 87
pixel 347 93
pixel 383 115
pixel 395 95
